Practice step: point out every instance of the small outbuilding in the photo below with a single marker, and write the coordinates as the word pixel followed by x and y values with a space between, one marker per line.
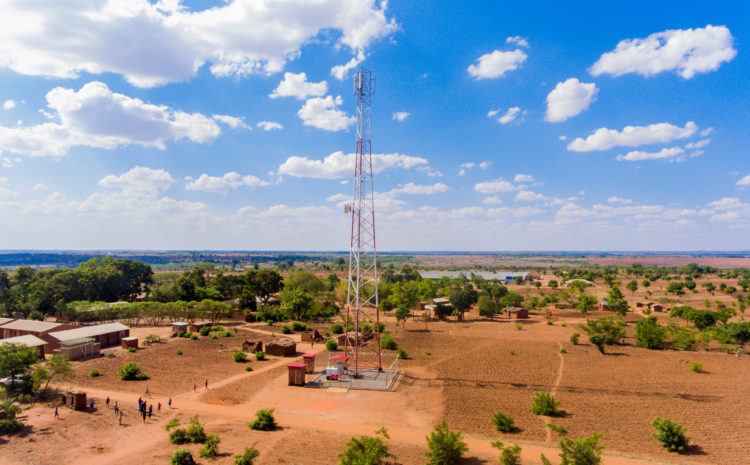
pixel 252 346
pixel 297 374
pixel 77 349
pixel 657 308
pixel 336 367
pixel 309 363
pixel 130 341
pixel 283 347
pixel 179 327
pixel 198 325
pixel 517 313
pixel 75 400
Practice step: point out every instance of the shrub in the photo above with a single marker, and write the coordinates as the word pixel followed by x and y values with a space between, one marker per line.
pixel 239 356
pixel 331 345
pixel 195 433
pixel 178 436
pixel 181 457
pixel 512 352
pixel 297 326
pixel 248 368
pixel 584 451
pixel 564 324
pixel 94 373
pixel 178 352
pixel 264 420
pixel 172 423
pixel 248 456
pixel 401 354
pixel 574 338
pixel 217 328
pixel 671 435
pixel 550 323
pixel 365 450
pixel 260 355
pixel 563 350
pixel 508 455
pixel 211 448
pixel 696 367
pixel 336 328
pixel 381 327
pixel 131 371
pixel 225 334
pixel 649 333
pixel 519 326
pixel 212 336
pixel 387 342
pixel 193 336
pixel 445 446
pixel 269 322
pixel 204 331
pixel 544 404
pixel 503 423
pixel 286 329
pixel 131 350
pixel 609 330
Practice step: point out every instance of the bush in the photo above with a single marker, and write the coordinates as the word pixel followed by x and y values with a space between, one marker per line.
pixel 211 448
pixel 544 404
pixel 204 331
pixel 331 345
pixel 649 333
pixel 248 457
pixel 671 435
pixel 182 457
pixel 519 326
pixel 225 334
pixel 503 423
pixel 574 338
pixel 248 368
pixel 260 355
pixel 696 367
pixel 178 436
pixel 239 356
pixel 195 433
pixel 401 354
pixel 297 326
pixel 178 352
pixel 213 336
pixel 365 450
pixel 131 371
pixel 172 423
pixel 584 451
pixel 286 329
pixel 217 328
pixel 336 328
pixel 193 336
pixel 131 350
pixel 387 342
pixel 94 373
pixel 264 420
pixel 563 351
pixel 445 446
pixel 508 455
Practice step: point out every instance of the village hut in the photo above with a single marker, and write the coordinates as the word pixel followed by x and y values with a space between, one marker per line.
pixel 283 347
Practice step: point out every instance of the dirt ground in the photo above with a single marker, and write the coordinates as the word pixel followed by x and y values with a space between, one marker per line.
pixel 458 371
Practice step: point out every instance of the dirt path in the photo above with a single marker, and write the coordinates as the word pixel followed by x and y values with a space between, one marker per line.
pixel 553 392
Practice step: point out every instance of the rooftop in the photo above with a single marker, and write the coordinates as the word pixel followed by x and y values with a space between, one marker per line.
pixel 5 320
pixel 31 325
pixel 488 275
pixel 28 340
pixel 88 331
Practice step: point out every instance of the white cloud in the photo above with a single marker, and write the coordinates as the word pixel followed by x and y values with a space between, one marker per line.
pixel 523 178
pixel 616 199
pixel 339 165
pixel 492 200
pixel 744 181
pixel 498 185
pixel 497 63
pixel 517 40
pixel 569 98
pixel 400 116
pixel 231 180
pixel 686 51
pixel 467 165
pixel 40 186
pixel 97 117
pixel 632 136
pixel 297 86
pixel 233 122
pixel 509 115
pixel 484 165
pixel 529 196
pixel 341 71
pixel 492 113
pixel 638 155
pixel 269 125
pixel 412 188
pixel 9 104
pixel 562 137
pixel 698 145
pixel 323 114
pixel 166 42
pixel 139 182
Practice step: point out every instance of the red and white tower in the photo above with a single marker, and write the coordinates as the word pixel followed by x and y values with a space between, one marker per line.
pixel 362 292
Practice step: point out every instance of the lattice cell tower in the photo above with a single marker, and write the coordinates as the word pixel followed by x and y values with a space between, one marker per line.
pixel 362 292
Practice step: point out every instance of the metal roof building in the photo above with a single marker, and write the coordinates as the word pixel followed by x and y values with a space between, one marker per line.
pixel 28 340
pixel 33 327
pixel 107 334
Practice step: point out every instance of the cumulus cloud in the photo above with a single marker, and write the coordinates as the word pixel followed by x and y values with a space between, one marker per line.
pixel 744 181
pixel 323 113
pixel 529 196
pixel 632 136
pixel 9 104
pixel 269 125
pixel 400 116
pixel 412 188
pixel 496 64
pixel 297 86
pixel 638 155
pixel 231 180
pixel 340 165
pixel 40 186
pixel 233 122
pixel 616 199
pixel 341 71
pixel 484 164
pixel 523 178
pixel 492 200
pixel 685 51
pixel 170 43
pixel 498 185
pixel 509 116
pixel 517 40
pixel 139 182
pixel 97 117
pixel 568 99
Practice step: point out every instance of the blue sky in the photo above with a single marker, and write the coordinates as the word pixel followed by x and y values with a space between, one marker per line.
pixel 496 126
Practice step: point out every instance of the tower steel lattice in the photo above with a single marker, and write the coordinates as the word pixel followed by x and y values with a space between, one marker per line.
pixel 362 290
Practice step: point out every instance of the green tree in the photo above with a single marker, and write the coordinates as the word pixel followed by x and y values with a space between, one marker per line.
pixel 552 283
pixel 402 313
pixel 604 331
pixel 632 286
pixel 509 455
pixel 671 435
pixel 585 302
pixel 15 359
pixel 248 456
pixel 264 283
pixel 488 307
pixel 305 280
pixel 58 366
pixel 649 333
pixel 461 301
pixel 366 450
pixel 296 302
pixel 446 447
pixel 645 283
pixel 616 301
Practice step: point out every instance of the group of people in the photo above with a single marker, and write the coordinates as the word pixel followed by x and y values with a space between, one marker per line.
pixel 144 409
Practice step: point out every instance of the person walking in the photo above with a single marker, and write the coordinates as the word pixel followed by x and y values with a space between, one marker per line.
pixel 117 408
pixel 107 402
pixel 119 418
pixel 57 414
pixel 195 386
pixel 91 404
pixel 140 401
pixel 158 408
pixel 143 413
pixel 150 411
pixel 170 402
pixel 147 392
pixel 206 384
